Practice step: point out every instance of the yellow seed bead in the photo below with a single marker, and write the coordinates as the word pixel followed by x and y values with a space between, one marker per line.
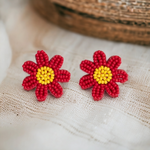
pixel 39 70
pixel 52 77
pixel 102 71
pixel 40 81
pixel 48 81
pixel 43 72
pixel 51 80
pixel 102 75
pixel 99 82
pixel 105 68
pixel 97 79
pixel 44 67
pixel 104 78
pixel 48 74
pixel 101 78
pixel 108 79
pixel 105 82
pixel 38 78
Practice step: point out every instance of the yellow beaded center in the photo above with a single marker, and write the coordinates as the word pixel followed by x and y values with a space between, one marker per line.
pixel 45 75
pixel 102 75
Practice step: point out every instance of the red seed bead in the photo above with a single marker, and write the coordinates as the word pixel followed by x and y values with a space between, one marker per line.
pixel 86 81
pixel 87 66
pixel 99 58
pixel 29 83
pixel 41 92
pixel 62 76
pixel 55 89
pixel 42 58
pixel 98 91
pixel 56 62
pixel 120 76
pixel 30 67
pixel 114 62
pixel 112 89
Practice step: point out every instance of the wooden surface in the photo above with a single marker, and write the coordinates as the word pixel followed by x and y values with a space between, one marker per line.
pixel 114 20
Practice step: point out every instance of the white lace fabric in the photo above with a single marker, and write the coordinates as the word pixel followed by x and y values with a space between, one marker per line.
pixel 74 121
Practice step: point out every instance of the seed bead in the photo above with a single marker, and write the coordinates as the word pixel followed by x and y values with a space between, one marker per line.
pixel 102 75
pixel 45 75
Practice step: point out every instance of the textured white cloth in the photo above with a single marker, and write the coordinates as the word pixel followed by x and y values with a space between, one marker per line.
pixel 74 121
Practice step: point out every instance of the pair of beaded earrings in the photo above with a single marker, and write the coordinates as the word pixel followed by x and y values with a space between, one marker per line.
pixel 102 75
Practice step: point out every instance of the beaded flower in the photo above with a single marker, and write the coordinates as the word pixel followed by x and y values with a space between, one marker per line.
pixel 45 75
pixel 102 75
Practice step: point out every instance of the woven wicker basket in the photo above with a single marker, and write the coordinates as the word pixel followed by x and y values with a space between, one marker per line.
pixel 118 20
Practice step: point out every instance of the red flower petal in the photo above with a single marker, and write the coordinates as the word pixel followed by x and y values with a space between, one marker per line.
pixel 41 58
pixel 120 76
pixel 41 92
pixel 30 67
pixel 99 58
pixel 55 89
pixel 86 81
pixel 113 62
pixel 56 62
pixel 98 91
pixel 29 83
pixel 62 76
pixel 112 89
pixel 87 66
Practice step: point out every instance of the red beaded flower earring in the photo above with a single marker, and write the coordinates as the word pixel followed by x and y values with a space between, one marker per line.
pixel 45 75
pixel 102 75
